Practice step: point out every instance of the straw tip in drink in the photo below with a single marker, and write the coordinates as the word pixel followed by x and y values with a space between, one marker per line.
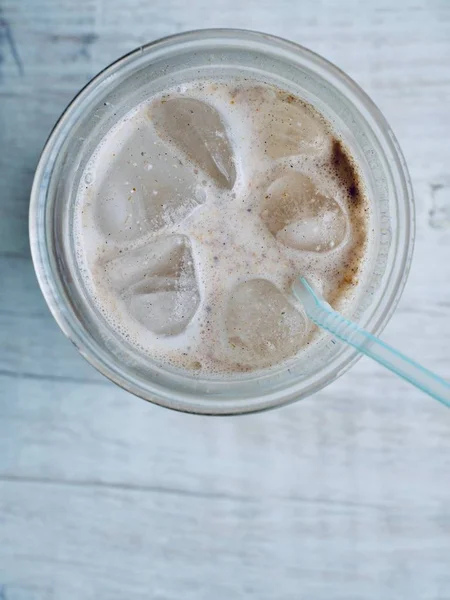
pixel 303 291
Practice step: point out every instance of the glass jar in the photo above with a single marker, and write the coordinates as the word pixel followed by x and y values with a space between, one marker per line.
pixel 223 53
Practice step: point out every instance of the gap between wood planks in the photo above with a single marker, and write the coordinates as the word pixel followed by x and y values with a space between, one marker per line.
pixel 173 491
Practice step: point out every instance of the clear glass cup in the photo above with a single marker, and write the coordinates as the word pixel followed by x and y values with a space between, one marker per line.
pixel 223 53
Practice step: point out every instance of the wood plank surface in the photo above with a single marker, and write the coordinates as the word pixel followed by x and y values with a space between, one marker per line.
pixel 342 496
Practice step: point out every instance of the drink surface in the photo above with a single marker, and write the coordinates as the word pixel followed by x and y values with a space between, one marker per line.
pixel 199 208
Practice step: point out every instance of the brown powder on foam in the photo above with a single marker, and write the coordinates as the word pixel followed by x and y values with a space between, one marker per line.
pixel 347 173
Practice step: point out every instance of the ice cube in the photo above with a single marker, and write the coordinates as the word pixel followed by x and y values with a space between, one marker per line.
pixel 302 218
pixel 145 188
pixel 166 313
pixel 158 283
pixel 285 125
pixel 262 325
pixel 162 258
pixel 197 129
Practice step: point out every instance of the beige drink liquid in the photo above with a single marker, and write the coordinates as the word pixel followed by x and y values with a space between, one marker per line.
pixel 197 211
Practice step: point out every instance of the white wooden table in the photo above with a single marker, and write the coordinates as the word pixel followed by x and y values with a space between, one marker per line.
pixel 342 496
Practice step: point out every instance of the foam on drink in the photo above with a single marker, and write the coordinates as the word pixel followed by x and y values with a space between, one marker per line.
pixel 198 210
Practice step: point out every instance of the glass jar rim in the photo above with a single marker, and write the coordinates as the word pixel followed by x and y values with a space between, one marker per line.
pixel 46 265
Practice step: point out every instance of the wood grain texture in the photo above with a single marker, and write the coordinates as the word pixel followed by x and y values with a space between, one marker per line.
pixel 342 496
